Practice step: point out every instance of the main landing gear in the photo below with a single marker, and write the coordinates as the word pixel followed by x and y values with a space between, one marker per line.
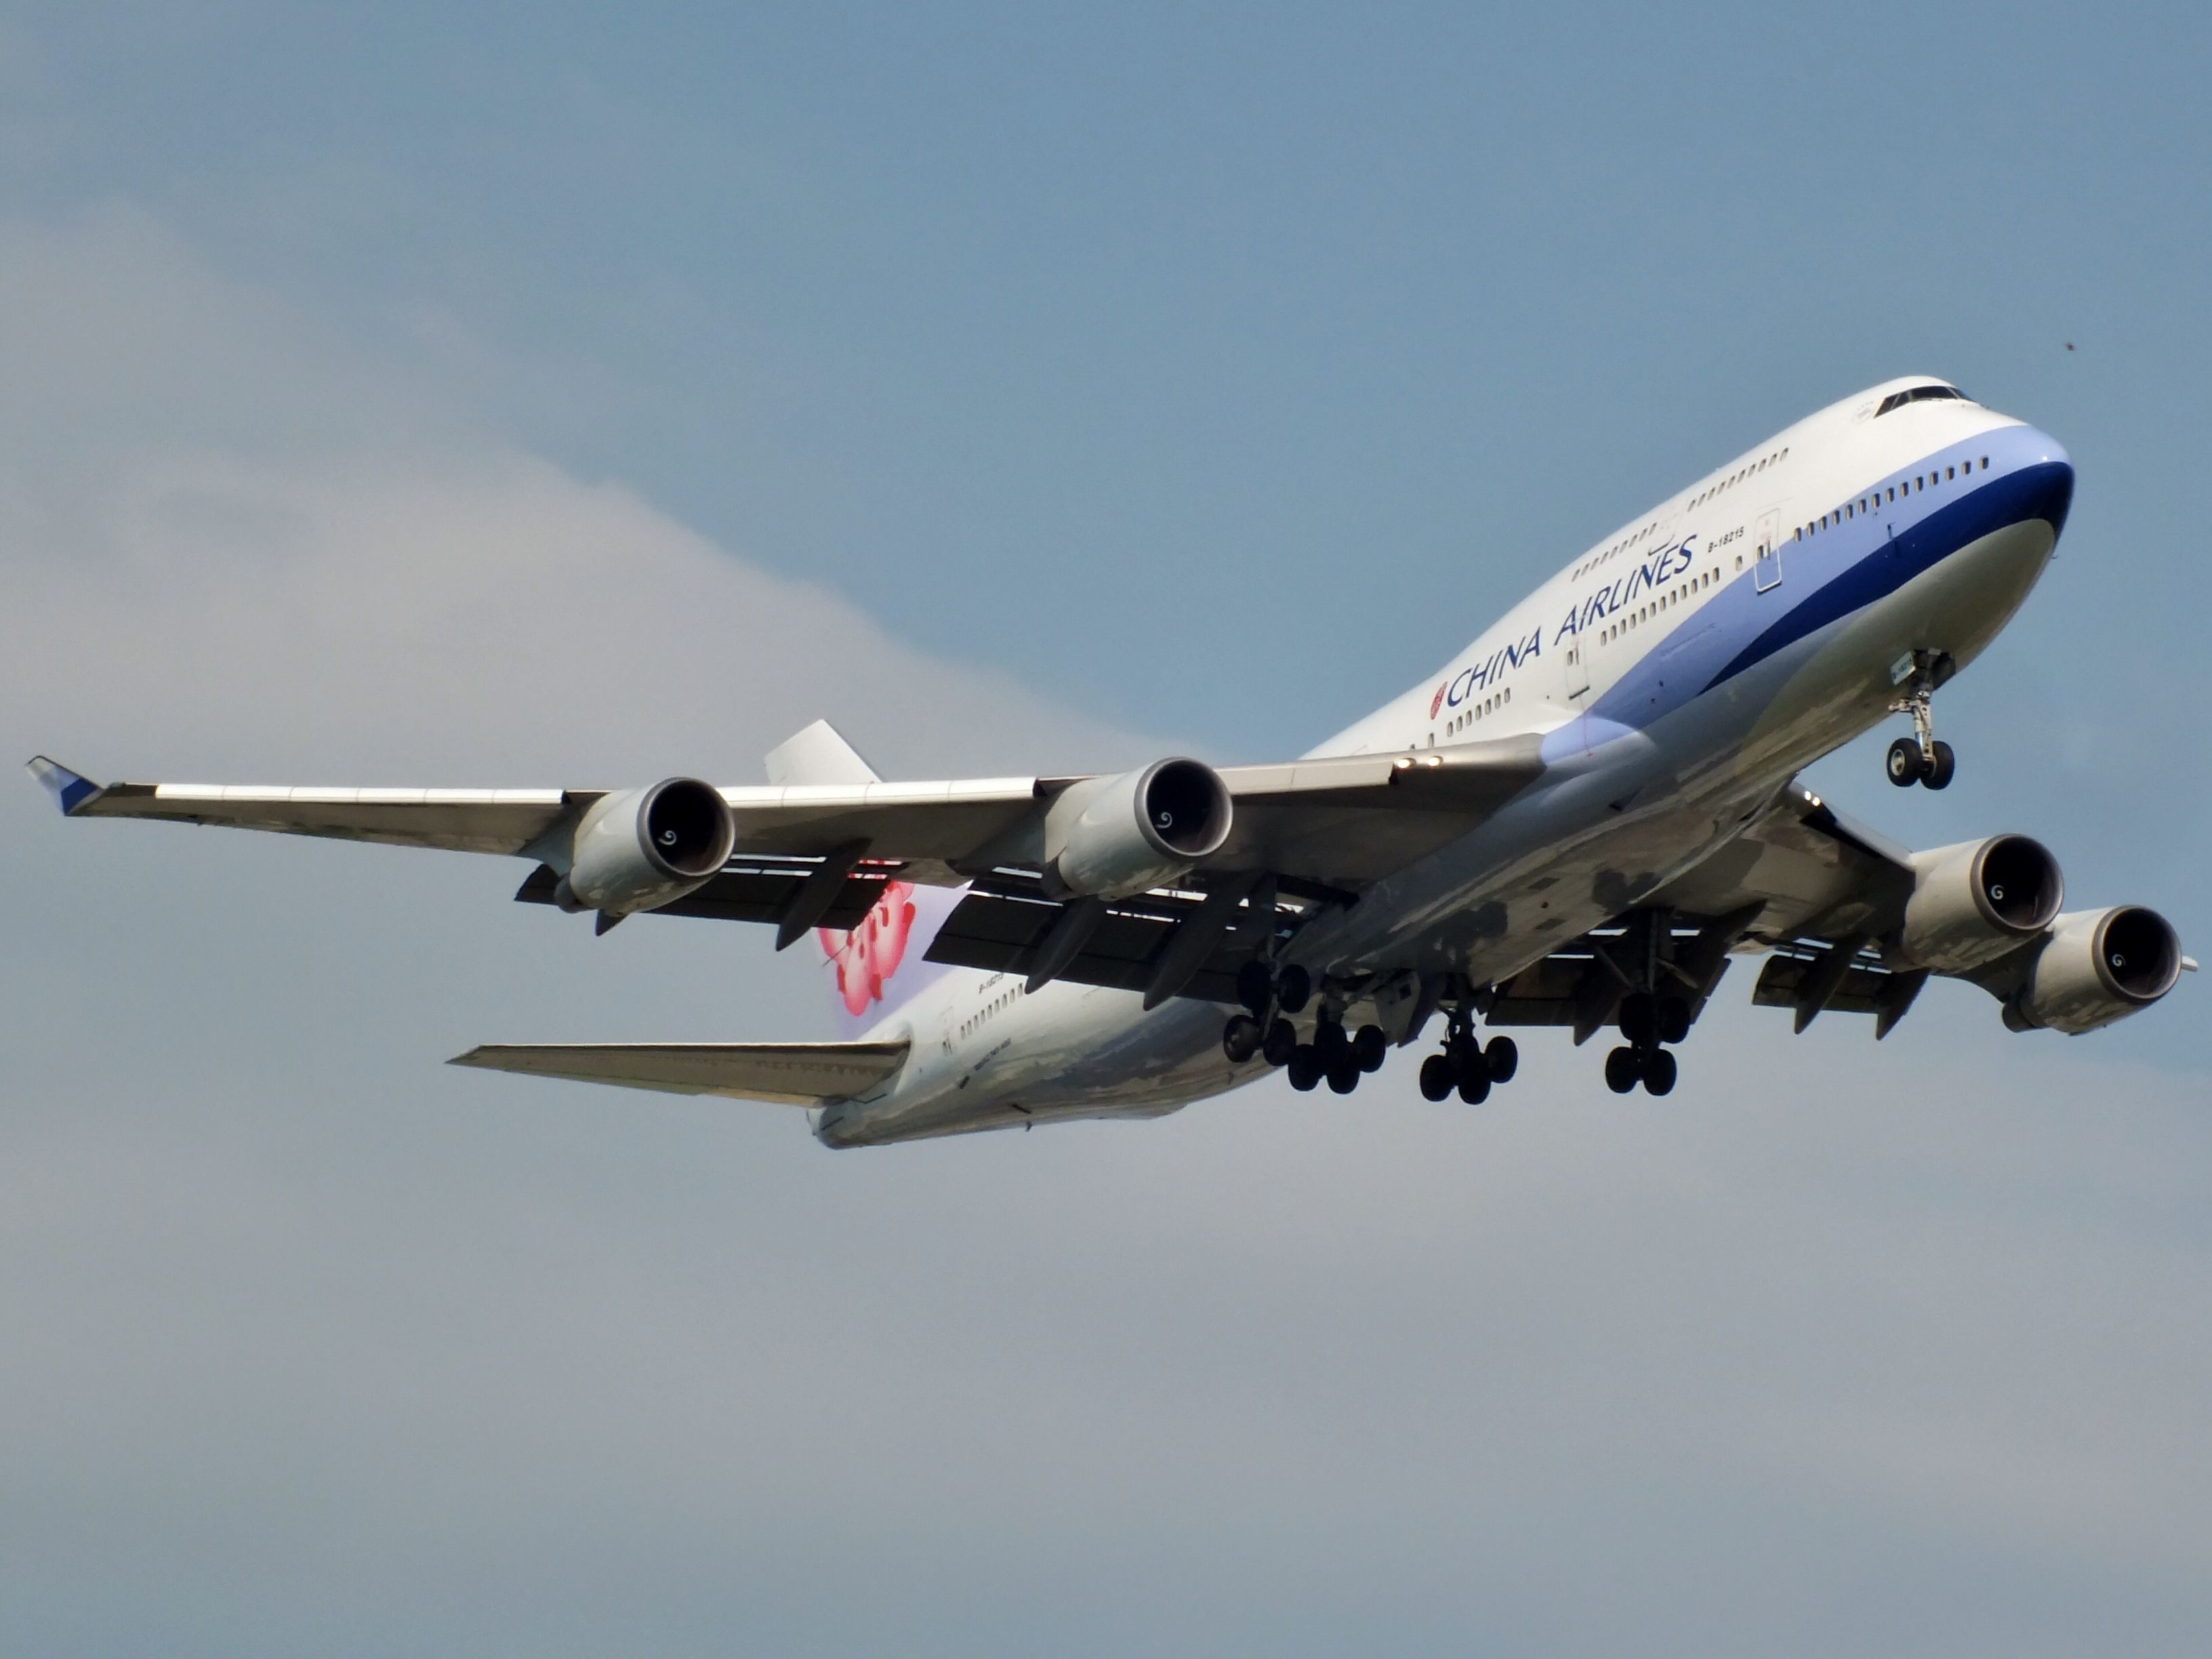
pixel 1922 758
pixel 1467 1066
pixel 1335 1056
pixel 1647 1022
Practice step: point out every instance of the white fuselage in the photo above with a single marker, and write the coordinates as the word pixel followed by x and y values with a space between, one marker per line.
pixel 1676 674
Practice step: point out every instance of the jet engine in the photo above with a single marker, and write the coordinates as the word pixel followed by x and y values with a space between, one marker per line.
pixel 1123 834
pixel 2099 966
pixel 1974 902
pixel 642 848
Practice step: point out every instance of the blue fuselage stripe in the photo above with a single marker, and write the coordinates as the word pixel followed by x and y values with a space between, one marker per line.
pixel 1839 570
pixel 2042 491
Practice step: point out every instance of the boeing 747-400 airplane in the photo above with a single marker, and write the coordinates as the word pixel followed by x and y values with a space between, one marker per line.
pixel 1580 821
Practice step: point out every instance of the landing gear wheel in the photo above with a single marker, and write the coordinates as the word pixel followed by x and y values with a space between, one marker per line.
pixel 1438 1079
pixel 1906 764
pixel 1304 1068
pixel 1370 1048
pixel 1330 1042
pixel 1255 988
pixel 1293 988
pixel 1474 1086
pixel 1344 1074
pixel 1639 1017
pixel 1624 1069
pixel 1502 1059
pixel 1943 766
pixel 1240 1038
pixel 1282 1040
pixel 1674 1020
pixel 1659 1071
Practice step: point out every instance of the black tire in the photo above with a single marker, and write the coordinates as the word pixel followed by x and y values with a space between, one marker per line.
pixel 1344 1074
pixel 1330 1042
pixel 1624 1070
pixel 1255 988
pixel 1502 1059
pixel 1943 766
pixel 1304 1068
pixel 1281 1039
pixel 1293 988
pixel 1474 1086
pixel 1439 1077
pixel 1639 1017
pixel 1240 1038
pixel 1906 765
pixel 1659 1071
pixel 1674 1020
pixel 1370 1048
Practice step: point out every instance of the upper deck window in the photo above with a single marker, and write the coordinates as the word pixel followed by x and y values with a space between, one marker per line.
pixel 1918 394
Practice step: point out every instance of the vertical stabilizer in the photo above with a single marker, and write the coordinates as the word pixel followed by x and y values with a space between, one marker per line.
pixel 818 755
pixel 879 965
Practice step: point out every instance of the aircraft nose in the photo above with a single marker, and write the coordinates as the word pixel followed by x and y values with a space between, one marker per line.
pixel 2046 480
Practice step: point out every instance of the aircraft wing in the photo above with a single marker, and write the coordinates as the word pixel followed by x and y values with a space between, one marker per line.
pixel 793 1074
pixel 1343 821
pixel 821 853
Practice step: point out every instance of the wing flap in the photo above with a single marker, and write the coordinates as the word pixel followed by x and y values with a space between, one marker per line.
pixel 1001 928
pixel 787 1073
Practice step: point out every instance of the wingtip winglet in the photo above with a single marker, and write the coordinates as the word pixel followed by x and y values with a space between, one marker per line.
pixel 70 790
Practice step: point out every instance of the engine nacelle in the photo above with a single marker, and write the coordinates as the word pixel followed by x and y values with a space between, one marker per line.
pixel 1972 902
pixel 1121 836
pixel 642 848
pixel 2100 966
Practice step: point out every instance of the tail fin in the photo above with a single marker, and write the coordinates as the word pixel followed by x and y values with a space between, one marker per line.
pixel 878 966
pixel 818 755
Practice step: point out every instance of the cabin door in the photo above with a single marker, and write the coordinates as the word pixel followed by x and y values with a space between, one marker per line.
pixel 1767 572
pixel 1578 666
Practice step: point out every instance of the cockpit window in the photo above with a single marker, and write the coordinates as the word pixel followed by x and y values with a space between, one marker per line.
pixel 1918 394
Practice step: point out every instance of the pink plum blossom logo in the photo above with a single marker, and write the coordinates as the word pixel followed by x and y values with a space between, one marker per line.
pixel 866 957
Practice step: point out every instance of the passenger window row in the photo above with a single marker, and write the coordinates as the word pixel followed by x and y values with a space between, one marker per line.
pixel 1749 469
pixel 997 1004
pixel 1865 504
pixel 1618 548
pixel 1460 722
pixel 1665 602
pixel 1737 477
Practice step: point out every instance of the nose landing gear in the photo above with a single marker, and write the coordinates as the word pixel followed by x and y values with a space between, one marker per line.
pixel 1922 758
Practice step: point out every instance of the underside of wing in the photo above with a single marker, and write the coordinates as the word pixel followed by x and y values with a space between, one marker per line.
pixel 1813 889
pixel 791 1073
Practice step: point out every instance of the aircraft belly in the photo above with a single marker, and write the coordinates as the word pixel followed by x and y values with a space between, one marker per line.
pixel 1096 1055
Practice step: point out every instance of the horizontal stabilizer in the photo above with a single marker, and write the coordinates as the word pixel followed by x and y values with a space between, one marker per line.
pixel 793 1073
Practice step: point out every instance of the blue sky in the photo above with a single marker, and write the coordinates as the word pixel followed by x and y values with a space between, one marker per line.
pixel 542 395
